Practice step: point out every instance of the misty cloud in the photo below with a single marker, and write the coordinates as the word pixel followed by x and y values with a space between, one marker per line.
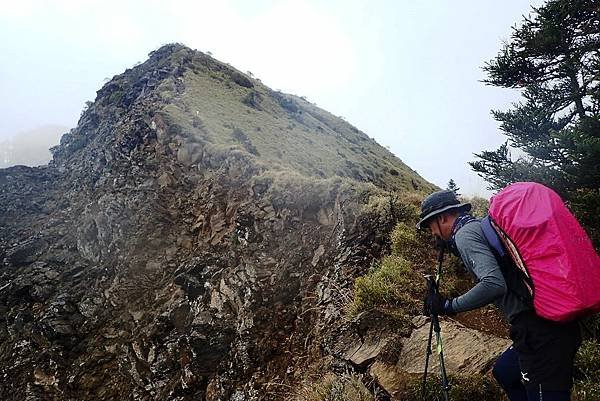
pixel 31 148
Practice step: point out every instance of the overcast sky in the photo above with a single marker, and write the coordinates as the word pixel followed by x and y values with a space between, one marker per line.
pixel 405 72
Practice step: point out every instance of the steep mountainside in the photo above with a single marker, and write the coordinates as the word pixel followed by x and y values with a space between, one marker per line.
pixel 192 238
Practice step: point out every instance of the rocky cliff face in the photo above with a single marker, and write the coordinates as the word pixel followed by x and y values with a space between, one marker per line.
pixel 193 238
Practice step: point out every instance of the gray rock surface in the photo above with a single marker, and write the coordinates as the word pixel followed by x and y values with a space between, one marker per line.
pixel 465 350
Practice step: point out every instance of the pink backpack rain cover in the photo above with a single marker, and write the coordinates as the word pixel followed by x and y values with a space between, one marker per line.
pixel 556 251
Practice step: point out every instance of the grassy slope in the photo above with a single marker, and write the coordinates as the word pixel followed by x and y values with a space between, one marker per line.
pixel 284 131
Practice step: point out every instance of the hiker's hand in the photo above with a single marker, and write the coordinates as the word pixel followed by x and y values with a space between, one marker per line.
pixel 435 304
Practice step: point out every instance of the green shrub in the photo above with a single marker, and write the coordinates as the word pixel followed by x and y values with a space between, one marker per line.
pixel 336 388
pixel 587 362
pixel 384 204
pixel 407 212
pixel 586 391
pixel 480 206
pixel 587 372
pixel 585 204
pixel 417 247
pixel 391 284
pixel 414 245
pixel 407 243
pixel 378 203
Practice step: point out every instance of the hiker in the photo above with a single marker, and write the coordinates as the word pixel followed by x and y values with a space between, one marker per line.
pixel 539 364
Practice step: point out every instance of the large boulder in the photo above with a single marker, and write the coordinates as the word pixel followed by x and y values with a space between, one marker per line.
pixel 466 350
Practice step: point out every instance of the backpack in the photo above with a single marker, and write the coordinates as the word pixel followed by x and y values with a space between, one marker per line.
pixel 530 225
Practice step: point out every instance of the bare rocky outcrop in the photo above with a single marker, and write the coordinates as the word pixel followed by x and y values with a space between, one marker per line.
pixel 148 262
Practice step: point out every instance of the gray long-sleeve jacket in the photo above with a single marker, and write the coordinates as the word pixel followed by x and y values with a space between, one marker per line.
pixel 480 262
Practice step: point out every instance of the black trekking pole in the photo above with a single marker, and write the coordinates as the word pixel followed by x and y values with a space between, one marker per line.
pixel 432 287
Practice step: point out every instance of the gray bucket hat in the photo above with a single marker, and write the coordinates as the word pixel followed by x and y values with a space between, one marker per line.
pixel 439 202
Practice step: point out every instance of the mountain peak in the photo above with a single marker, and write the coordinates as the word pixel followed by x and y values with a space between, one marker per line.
pixel 189 101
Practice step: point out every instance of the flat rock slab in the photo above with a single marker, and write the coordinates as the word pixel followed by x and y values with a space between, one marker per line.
pixel 361 352
pixel 466 350
pixel 362 347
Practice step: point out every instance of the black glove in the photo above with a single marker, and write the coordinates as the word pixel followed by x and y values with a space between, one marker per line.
pixel 435 304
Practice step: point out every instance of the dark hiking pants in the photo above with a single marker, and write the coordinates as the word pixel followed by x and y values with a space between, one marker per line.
pixel 539 365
